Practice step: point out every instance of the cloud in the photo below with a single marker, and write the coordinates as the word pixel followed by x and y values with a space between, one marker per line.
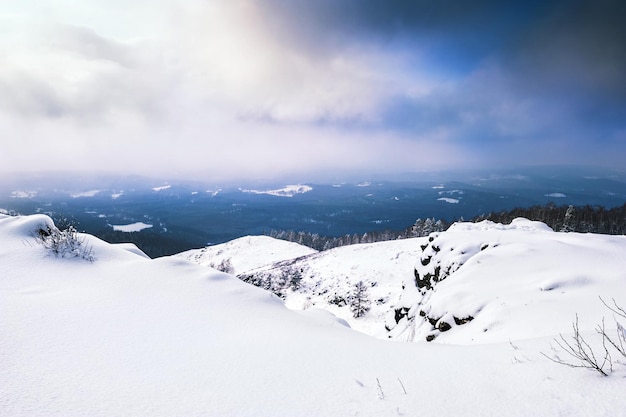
pixel 266 88
pixel 72 73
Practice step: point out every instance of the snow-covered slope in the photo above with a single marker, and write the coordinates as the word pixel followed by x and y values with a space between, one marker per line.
pixel 125 335
pixel 327 279
pixel 489 282
pixel 476 282
pixel 246 253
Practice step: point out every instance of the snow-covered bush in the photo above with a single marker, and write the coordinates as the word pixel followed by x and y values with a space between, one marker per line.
pixel 225 266
pixel 277 281
pixel 64 243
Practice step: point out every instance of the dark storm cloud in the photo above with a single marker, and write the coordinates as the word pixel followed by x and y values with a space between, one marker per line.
pixel 570 53
pixel 466 28
pixel 577 57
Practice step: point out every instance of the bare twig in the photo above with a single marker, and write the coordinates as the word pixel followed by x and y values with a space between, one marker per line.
pixel 620 311
pixel 581 351
pixel 381 394
pixel 402 385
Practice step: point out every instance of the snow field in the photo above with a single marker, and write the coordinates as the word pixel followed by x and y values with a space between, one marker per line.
pixel 129 336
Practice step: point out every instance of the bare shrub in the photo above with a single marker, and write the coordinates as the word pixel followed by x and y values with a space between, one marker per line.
pixel 64 243
pixel 582 355
pixel 619 341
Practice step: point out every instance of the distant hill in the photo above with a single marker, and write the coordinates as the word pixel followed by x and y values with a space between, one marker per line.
pixel 178 215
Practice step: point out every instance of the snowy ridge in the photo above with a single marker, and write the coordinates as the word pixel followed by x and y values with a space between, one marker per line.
pixel 126 335
pixel 488 282
pixel 492 275
pixel 246 253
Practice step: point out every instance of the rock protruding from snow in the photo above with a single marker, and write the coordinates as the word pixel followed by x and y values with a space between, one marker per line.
pixel 488 282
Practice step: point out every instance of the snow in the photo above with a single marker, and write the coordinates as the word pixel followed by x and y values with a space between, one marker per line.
pixel 23 194
pixel 451 192
pixel 287 191
pixel 449 200
pixel 556 195
pixel 90 193
pixel 132 248
pixel 517 281
pixel 133 227
pixel 161 188
pixel 130 336
pixel 214 192
pixel 332 274
pixel 247 253
pixel 115 196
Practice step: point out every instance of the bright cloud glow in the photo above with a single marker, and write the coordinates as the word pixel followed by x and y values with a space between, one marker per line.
pixel 244 89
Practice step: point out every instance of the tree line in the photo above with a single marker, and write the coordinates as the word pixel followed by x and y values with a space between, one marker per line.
pixel 421 227
pixel 565 218
pixel 583 219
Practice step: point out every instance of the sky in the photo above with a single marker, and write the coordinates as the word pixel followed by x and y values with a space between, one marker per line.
pixel 270 88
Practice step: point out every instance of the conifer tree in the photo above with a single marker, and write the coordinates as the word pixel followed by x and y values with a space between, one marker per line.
pixel 359 300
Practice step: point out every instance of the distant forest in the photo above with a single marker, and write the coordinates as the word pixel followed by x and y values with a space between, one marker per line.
pixel 583 219
pixel 318 242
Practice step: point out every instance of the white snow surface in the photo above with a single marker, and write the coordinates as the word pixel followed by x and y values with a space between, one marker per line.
pixel 130 336
pixel 90 193
pixel 329 277
pixel 247 253
pixel 23 194
pixel 556 195
pixel 449 200
pixel 287 191
pixel 133 227
pixel 161 188
pixel 214 192
pixel 516 281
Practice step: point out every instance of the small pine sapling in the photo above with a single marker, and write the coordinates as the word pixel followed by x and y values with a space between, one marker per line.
pixel 359 300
